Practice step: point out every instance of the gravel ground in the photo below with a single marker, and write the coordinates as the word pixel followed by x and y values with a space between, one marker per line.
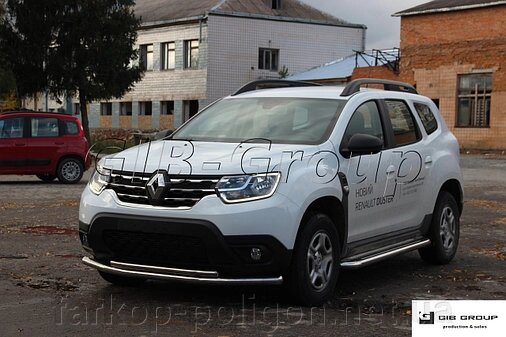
pixel 46 291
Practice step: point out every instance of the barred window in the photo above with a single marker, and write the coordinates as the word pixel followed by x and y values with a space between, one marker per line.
pixel 475 91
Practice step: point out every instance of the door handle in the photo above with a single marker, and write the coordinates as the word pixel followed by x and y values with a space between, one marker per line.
pixel 20 144
pixel 428 160
pixel 59 143
pixel 390 170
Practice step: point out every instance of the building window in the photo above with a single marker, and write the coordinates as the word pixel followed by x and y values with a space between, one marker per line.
pixel 106 109
pixel 168 55
pixel 190 109
pixel 167 108
pixel 475 91
pixel 268 59
pixel 145 109
pixel 146 56
pixel 125 108
pixel 76 108
pixel 276 4
pixel 191 54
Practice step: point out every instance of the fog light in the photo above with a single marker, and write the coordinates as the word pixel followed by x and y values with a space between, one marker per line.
pixel 256 254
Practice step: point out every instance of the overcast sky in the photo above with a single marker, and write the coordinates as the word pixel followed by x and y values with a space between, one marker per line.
pixel 382 28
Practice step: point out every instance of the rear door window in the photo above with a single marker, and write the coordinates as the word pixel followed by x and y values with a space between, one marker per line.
pixel 403 123
pixel 45 127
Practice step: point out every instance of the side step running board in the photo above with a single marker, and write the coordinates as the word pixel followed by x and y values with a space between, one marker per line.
pixel 384 255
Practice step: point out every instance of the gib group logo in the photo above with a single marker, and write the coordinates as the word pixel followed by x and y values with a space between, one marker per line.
pixel 458 318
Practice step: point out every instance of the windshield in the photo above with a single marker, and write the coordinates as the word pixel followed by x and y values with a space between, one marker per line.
pixel 280 120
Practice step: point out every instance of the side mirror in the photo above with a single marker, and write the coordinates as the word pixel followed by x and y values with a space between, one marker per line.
pixel 360 144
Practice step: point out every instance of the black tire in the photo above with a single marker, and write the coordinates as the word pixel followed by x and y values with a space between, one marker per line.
pixel 122 280
pixel 304 289
pixel 46 177
pixel 444 231
pixel 70 171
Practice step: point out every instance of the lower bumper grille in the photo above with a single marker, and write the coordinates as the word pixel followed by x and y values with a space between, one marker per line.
pixel 156 249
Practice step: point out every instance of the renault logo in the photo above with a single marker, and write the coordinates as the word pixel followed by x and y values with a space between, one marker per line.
pixel 157 187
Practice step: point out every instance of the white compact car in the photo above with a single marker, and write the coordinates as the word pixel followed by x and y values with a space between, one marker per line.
pixel 281 182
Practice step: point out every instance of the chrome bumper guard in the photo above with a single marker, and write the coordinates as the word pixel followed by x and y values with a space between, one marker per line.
pixel 173 274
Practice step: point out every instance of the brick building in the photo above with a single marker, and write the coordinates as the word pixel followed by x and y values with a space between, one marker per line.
pixel 197 51
pixel 455 53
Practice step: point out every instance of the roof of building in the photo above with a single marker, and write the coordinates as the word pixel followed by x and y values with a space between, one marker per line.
pixel 439 6
pixel 341 68
pixel 158 12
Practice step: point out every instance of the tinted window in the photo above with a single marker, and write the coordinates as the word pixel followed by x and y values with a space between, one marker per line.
pixel 365 120
pixel 427 117
pixel 45 127
pixel 11 128
pixel 402 123
pixel 71 128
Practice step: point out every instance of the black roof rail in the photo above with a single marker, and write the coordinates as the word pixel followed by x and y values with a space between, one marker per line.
pixel 270 84
pixel 354 86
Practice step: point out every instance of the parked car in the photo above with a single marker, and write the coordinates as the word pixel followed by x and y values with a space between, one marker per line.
pixel 282 182
pixel 48 145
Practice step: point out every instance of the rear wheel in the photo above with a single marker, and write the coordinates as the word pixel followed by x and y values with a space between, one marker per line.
pixel 46 177
pixel 315 265
pixel 70 171
pixel 444 231
pixel 121 280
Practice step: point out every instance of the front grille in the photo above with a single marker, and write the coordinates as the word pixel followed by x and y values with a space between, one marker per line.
pixel 185 191
pixel 156 249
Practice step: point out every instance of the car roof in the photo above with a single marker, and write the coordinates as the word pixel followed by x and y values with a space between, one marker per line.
pixel 37 114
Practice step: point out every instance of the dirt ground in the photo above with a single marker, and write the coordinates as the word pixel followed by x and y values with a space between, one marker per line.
pixel 45 290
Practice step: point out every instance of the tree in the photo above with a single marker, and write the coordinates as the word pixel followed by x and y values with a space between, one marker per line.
pixel 7 83
pixel 82 48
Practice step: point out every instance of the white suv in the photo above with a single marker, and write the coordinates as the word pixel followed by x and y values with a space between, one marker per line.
pixel 281 182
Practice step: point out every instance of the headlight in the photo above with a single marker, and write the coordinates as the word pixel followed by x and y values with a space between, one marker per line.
pixel 248 187
pixel 100 179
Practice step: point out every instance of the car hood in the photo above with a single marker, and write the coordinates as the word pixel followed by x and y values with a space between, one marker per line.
pixel 208 158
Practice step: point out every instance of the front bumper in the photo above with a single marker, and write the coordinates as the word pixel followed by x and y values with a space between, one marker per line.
pixel 181 248
pixel 173 274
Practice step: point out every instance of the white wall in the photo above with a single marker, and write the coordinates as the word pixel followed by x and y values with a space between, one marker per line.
pixel 234 42
pixel 177 84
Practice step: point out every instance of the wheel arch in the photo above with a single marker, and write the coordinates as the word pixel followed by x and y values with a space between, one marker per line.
pixel 335 210
pixel 70 155
pixel 454 187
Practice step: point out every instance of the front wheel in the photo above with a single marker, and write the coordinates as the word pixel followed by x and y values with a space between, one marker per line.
pixel 444 231
pixel 315 265
pixel 70 171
